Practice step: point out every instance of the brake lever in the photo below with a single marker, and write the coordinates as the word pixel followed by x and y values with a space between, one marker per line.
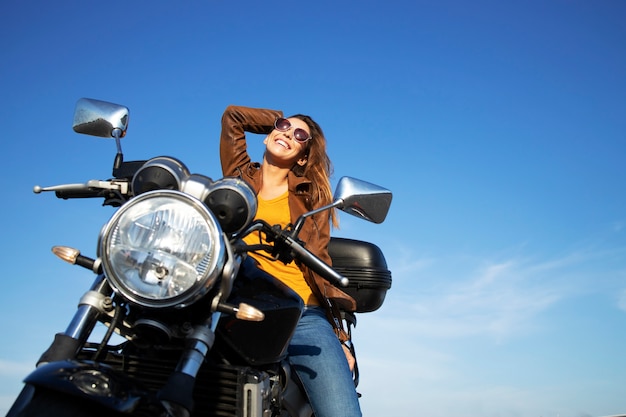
pixel 84 190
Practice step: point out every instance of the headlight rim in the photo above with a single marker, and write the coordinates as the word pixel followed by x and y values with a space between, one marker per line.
pixel 202 285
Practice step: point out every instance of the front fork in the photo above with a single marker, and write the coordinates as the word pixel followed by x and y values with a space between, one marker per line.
pixel 92 305
pixel 177 394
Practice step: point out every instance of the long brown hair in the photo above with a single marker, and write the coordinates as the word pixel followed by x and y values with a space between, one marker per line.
pixel 318 167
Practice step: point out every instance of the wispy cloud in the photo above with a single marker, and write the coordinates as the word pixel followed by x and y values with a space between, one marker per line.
pixel 494 301
pixel 444 317
pixel 453 298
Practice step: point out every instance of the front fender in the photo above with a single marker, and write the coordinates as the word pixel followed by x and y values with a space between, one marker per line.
pixel 94 381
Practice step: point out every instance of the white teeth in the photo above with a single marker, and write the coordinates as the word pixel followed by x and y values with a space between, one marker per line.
pixel 282 143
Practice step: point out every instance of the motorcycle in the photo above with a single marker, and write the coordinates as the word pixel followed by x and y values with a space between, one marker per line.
pixel 202 330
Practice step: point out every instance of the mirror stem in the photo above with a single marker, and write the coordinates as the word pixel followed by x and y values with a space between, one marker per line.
pixel 119 157
pixel 300 222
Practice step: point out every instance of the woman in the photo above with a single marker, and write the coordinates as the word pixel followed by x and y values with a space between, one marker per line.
pixel 292 180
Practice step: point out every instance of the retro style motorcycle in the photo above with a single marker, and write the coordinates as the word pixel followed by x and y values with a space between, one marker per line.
pixel 202 331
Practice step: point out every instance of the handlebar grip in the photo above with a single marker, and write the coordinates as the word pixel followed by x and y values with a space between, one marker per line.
pixel 84 193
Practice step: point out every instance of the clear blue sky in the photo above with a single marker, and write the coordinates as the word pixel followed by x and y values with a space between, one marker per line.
pixel 499 126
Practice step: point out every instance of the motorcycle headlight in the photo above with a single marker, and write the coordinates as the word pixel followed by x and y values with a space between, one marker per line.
pixel 162 249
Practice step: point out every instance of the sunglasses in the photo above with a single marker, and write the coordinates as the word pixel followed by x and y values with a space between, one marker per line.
pixel 300 135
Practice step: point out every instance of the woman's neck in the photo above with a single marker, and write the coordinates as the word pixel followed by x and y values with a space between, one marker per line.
pixel 274 181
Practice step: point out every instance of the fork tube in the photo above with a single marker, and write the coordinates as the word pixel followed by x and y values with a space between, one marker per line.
pixel 89 309
pixel 198 346
pixel 66 345
pixel 178 390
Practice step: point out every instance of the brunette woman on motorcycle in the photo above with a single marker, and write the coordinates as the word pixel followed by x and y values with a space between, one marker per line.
pixel 292 180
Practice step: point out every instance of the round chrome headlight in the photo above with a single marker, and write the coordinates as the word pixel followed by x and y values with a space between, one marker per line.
pixel 162 249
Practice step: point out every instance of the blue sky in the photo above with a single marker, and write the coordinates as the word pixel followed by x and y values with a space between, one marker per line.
pixel 498 125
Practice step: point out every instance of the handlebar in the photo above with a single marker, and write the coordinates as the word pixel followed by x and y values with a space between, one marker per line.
pixel 92 188
pixel 105 189
pixel 316 264
pixel 123 172
pixel 284 242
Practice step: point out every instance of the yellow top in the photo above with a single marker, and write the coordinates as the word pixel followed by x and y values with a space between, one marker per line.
pixel 276 211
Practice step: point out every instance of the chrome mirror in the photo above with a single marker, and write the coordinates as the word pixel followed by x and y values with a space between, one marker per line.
pixel 100 118
pixel 362 199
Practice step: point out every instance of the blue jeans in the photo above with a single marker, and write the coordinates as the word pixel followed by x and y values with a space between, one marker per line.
pixel 318 358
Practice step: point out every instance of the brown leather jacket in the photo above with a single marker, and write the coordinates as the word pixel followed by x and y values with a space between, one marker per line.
pixel 237 120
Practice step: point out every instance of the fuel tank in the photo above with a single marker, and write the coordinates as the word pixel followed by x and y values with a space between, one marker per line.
pixel 264 342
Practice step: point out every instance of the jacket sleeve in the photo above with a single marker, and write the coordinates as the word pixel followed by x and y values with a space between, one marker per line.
pixel 237 120
pixel 320 246
pixel 323 222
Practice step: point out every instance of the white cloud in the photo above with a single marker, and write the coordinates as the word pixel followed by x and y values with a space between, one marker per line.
pixel 412 351
pixel 493 298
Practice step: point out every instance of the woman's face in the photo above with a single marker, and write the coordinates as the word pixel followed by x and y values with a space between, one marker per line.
pixel 283 149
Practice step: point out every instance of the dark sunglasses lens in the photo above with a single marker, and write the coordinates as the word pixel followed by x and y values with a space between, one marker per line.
pixel 301 135
pixel 282 124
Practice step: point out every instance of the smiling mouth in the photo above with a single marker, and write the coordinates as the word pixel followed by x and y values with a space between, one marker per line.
pixel 282 143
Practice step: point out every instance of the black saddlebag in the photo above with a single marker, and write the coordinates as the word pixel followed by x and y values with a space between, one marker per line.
pixel 364 265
